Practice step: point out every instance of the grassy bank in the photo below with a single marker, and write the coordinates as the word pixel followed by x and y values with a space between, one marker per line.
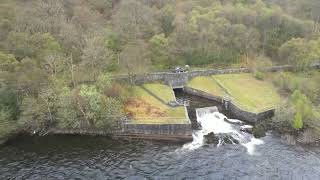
pixel 247 92
pixel 146 109
pixel 206 84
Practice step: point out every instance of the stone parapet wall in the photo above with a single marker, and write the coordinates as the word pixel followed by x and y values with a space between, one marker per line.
pixel 180 79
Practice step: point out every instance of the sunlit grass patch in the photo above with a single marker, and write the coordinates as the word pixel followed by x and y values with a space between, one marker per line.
pixel 162 91
pixel 249 93
pixel 244 90
pixel 206 84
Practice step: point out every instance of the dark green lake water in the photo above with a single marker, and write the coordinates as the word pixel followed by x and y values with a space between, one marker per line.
pixel 72 157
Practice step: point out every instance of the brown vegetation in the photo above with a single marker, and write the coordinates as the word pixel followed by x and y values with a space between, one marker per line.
pixel 139 108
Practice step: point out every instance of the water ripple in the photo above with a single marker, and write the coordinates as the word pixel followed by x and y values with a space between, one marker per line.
pixel 99 158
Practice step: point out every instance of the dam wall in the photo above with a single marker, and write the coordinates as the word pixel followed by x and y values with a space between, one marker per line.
pixel 179 80
pixel 159 129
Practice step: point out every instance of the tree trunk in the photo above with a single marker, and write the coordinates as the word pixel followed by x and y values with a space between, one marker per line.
pixel 118 54
pixel 71 69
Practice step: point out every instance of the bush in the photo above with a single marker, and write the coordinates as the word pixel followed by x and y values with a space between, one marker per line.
pixel 297 122
pixel 67 115
pixel 34 115
pixel 302 105
pixel 7 126
pixel 306 83
pixel 9 102
pixel 282 120
pixel 9 111
pixel 88 108
pixel 287 81
pixel 258 131
pixel 259 75
pixel 296 114
pixel 110 113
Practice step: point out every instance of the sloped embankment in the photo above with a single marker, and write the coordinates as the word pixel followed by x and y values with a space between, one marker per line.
pixel 248 97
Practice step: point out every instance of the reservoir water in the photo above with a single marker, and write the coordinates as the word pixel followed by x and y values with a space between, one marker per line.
pixel 74 157
pixel 83 157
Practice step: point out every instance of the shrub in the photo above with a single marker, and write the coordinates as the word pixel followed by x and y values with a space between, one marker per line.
pixel 296 114
pixel 67 115
pixel 259 75
pixel 9 102
pixel 282 120
pixel 9 111
pixel 308 85
pixel 302 105
pixel 259 131
pixel 297 122
pixel 284 81
pixel 88 108
pixel 34 115
pixel 7 126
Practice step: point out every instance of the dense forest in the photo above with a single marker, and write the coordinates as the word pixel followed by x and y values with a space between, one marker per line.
pixel 57 56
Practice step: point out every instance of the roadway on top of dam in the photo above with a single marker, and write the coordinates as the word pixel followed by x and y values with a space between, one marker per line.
pixel 179 80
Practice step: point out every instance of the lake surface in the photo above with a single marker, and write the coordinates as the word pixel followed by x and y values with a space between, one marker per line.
pixel 74 157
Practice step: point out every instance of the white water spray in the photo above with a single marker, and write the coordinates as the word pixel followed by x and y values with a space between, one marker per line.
pixel 213 121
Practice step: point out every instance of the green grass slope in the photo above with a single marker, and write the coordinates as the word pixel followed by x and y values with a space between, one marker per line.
pixel 248 92
pixel 244 90
pixel 206 84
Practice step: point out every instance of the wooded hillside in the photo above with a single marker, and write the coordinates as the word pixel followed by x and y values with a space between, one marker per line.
pixel 48 47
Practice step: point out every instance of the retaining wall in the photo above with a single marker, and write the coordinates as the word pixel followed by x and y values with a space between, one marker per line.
pixel 163 129
pixel 184 130
pixel 159 129
pixel 202 94
pixel 173 132
pixel 249 116
pixel 236 111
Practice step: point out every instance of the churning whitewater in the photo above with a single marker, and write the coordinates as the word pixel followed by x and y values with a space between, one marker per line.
pixel 222 127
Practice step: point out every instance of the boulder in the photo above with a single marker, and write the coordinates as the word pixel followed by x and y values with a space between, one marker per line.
pixel 246 128
pixel 234 121
pixel 228 139
pixel 210 138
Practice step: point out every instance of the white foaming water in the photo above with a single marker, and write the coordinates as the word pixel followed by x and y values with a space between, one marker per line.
pixel 217 123
pixel 252 145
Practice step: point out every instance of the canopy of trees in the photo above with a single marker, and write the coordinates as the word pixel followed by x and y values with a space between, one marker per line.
pixel 49 48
